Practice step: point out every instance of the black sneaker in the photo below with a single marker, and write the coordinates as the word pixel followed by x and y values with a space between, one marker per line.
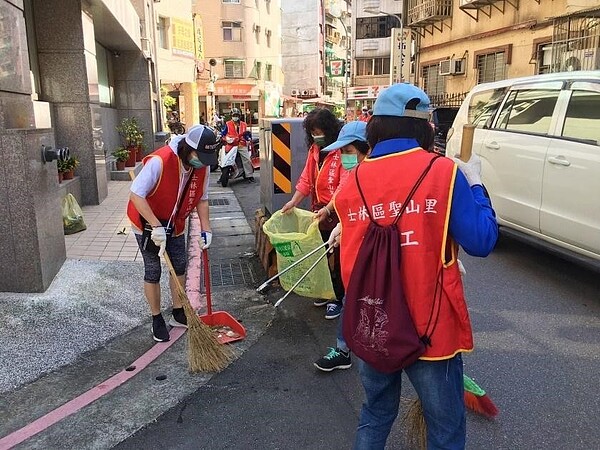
pixel 334 310
pixel 178 318
pixel 250 180
pixel 335 359
pixel 159 329
pixel 320 301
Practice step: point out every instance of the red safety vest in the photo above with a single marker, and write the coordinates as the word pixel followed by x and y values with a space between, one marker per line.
pixel 238 135
pixel 428 252
pixel 163 198
pixel 321 183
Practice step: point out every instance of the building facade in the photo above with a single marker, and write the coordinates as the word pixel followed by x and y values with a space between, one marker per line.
pixel 70 71
pixel 239 58
pixel 316 51
pixel 466 42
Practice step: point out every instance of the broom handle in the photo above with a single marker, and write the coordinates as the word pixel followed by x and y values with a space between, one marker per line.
pixel 291 266
pixel 301 278
pixel 206 264
pixel 466 144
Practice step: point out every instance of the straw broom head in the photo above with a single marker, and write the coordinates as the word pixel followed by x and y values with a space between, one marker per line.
pixel 415 424
pixel 205 353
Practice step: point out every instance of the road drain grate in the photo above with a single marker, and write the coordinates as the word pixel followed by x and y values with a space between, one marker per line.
pixel 218 202
pixel 231 273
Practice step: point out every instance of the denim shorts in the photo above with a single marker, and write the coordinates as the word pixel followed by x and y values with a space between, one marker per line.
pixel 175 250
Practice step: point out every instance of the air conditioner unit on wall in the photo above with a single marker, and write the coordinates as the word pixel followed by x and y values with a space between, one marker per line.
pixel 452 66
pixel 586 59
pixel 295 92
pixel 312 92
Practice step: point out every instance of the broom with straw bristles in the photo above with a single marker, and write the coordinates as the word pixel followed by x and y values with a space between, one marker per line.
pixel 205 353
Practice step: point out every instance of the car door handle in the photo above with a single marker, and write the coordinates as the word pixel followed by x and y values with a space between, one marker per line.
pixel 560 161
pixel 492 145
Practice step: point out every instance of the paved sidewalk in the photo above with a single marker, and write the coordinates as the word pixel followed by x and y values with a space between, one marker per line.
pixel 93 322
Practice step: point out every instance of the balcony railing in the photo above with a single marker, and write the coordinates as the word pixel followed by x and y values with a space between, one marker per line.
pixel 425 12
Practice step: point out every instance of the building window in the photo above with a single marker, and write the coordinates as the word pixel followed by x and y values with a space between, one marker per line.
pixel 491 67
pixel 234 68
pixel 269 72
pixel 542 56
pixel 232 31
pixel 105 76
pixel 375 27
pixel 433 83
pixel 372 66
pixel 163 29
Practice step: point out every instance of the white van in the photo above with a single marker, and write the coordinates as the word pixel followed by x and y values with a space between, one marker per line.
pixel 539 142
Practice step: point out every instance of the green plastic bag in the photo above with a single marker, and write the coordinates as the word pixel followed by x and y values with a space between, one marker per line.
pixel 293 235
pixel 72 215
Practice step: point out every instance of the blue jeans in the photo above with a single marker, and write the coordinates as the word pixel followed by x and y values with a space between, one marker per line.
pixel 340 341
pixel 439 385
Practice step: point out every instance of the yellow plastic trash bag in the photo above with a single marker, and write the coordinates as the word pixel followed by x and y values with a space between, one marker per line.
pixel 293 235
pixel 72 215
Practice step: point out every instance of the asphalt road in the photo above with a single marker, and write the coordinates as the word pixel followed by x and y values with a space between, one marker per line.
pixel 537 325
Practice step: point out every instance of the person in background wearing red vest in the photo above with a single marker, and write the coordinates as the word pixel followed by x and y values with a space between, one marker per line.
pixel 364 116
pixel 319 180
pixel 236 133
pixel 172 183
pixel 353 144
pixel 449 208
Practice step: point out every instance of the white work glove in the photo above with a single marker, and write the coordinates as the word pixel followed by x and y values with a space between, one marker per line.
pixel 470 169
pixel 334 237
pixel 159 237
pixel 205 239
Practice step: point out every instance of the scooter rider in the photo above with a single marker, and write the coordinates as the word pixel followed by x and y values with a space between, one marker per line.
pixel 236 133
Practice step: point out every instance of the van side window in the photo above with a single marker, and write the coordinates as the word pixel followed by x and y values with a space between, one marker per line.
pixel 483 107
pixel 582 121
pixel 529 112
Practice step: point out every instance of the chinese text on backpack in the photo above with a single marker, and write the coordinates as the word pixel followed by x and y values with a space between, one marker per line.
pixel 377 325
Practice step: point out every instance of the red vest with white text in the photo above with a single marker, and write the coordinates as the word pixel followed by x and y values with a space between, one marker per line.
pixel 163 198
pixel 237 135
pixel 326 179
pixel 428 252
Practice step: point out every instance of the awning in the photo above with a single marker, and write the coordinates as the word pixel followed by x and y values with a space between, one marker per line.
pixel 594 11
pixel 318 100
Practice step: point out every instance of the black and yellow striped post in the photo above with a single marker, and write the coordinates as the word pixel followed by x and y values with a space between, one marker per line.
pixel 282 158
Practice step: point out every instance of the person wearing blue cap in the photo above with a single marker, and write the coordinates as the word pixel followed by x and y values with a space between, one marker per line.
pixel 434 204
pixel 352 142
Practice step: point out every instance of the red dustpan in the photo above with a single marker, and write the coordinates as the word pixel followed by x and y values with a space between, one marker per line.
pixel 227 328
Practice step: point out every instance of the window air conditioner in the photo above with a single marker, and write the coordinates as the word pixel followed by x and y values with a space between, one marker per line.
pixel 305 92
pixel 295 92
pixel 587 59
pixel 452 66
pixel 312 92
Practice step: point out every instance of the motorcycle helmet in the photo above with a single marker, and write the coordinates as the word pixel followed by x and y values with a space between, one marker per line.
pixel 235 112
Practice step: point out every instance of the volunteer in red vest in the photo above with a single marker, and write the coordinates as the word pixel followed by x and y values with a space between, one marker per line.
pixel 319 181
pixel 172 184
pixel 364 116
pixel 449 208
pixel 236 133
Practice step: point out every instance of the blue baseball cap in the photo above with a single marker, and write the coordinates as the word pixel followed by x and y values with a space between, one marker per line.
pixel 352 131
pixel 392 102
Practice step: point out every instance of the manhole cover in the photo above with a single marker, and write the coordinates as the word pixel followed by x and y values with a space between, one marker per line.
pixel 231 273
pixel 218 202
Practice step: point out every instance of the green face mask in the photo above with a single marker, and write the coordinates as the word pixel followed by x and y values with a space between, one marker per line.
pixel 319 140
pixel 195 163
pixel 349 161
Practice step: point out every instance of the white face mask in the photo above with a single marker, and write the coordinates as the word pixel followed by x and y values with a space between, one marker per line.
pixel 236 118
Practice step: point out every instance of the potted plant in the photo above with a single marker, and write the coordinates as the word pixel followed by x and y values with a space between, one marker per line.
pixel 62 168
pixel 70 164
pixel 121 155
pixel 133 136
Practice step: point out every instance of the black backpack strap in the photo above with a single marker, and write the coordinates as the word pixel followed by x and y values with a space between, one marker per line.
pixel 408 197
